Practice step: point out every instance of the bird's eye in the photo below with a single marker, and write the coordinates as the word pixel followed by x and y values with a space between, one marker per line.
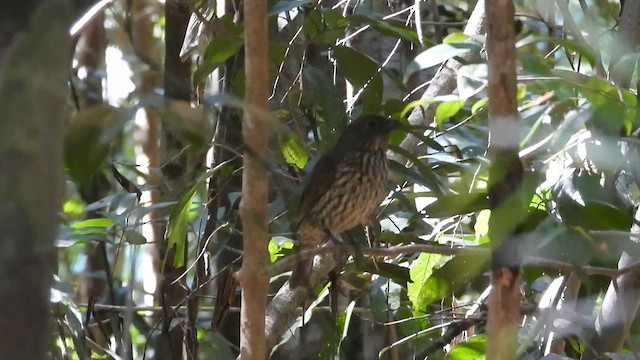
pixel 371 124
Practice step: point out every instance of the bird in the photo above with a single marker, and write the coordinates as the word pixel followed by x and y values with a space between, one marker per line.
pixel 344 188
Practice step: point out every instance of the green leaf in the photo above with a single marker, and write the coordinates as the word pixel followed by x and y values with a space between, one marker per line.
pixel 522 91
pixel 226 42
pixel 419 132
pixel 397 273
pixel 361 70
pixel 276 245
pixel 421 269
pixel 344 320
pixel 93 223
pixel 479 105
pixel 453 276
pixel 481 227
pixel 419 172
pixel 447 109
pixel 457 204
pixel 88 140
pixel 438 54
pixel 570 45
pixel 96 222
pixel 190 124
pixel 356 67
pixel 325 26
pixel 456 37
pixel 321 97
pixel 389 27
pixel 72 207
pixel 177 226
pixel 472 349
pixel 133 237
pixel 293 152
pixel 218 51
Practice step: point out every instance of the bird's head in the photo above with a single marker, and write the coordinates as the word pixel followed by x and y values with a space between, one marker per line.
pixel 368 131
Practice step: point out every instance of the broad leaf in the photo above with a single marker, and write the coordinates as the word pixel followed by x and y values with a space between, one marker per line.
pixel 472 349
pixel 438 54
pixel 178 224
pixel 361 71
pixel 88 140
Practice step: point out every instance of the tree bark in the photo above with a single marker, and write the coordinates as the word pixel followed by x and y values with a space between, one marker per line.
pixel 34 50
pixel 505 179
pixel 177 173
pixel 253 278
pixel 229 133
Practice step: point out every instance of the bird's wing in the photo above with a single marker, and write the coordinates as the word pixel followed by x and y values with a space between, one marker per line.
pixel 320 181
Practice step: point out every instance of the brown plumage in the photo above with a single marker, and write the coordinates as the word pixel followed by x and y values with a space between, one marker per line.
pixel 345 187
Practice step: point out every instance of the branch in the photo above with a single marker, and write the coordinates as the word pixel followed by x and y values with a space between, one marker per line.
pixel 287 263
pixel 443 83
pixel 282 310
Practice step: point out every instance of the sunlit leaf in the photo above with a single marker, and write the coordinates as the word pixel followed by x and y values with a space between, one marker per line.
pixel 448 109
pixel 481 227
pixel 72 207
pixel 344 320
pixel 93 223
pixel 472 349
pixel 421 269
pixel 455 275
pixel 479 105
pixel 438 54
pixel 455 37
pixel 293 152
pixel 522 91
pixel 277 244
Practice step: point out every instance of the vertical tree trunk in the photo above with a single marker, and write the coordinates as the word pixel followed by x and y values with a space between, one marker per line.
pixel 34 50
pixel 175 170
pixel 505 179
pixel 253 207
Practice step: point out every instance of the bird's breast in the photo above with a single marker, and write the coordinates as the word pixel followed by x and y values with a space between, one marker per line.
pixel 358 189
